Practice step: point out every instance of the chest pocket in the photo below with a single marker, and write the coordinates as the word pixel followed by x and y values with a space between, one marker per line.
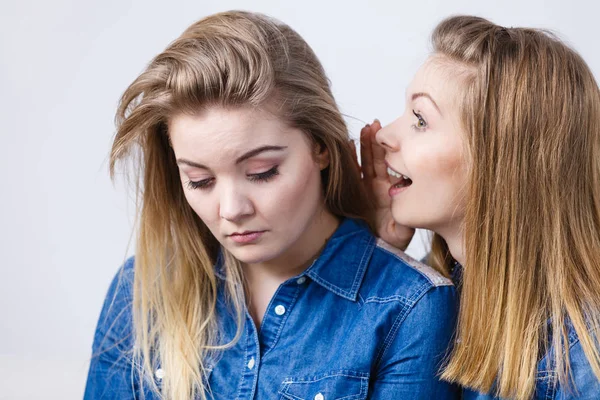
pixel 338 385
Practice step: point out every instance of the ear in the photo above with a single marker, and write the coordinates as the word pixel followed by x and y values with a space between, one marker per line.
pixel 322 155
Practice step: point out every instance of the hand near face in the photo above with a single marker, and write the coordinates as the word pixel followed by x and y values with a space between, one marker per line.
pixel 377 183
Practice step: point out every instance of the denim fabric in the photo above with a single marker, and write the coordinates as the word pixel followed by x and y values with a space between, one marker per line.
pixel 364 321
pixel 585 384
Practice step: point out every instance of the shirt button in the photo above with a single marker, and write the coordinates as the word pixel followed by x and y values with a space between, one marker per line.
pixel 301 280
pixel 319 396
pixel 251 363
pixel 159 373
pixel 280 310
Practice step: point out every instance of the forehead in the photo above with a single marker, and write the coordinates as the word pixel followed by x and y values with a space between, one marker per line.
pixel 218 131
pixel 439 78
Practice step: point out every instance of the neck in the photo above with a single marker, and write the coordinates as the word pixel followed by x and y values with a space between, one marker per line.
pixel 455 239
pixel 299 256
pixel 263 279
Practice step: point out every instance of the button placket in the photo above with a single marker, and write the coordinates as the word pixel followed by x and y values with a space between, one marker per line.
pixel 247 387
pixel 277 314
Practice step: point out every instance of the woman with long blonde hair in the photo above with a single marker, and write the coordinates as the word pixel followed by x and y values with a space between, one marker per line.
pixel 255 274
pixel 498 153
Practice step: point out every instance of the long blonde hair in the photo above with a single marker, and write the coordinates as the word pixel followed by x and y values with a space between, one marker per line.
pixel 229 59
pixel 531 114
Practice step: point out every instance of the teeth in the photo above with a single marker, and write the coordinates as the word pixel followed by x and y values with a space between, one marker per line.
pixel 395 174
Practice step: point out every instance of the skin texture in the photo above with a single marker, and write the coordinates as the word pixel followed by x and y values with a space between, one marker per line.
pixel 428 148
pixel 277 192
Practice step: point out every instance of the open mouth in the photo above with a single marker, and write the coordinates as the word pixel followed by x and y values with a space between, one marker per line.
pixel 397 179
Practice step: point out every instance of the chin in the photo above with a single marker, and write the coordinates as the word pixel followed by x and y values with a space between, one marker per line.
pixel 410 219
pixel 404 217
pixel 253 254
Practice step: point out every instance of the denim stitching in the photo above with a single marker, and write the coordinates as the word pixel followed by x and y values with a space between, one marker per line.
pixel 258 361
pixel 550 389
pixel 248 335
pixel 408 307
pixel 380 300
pixel 363 377
pixel 362 266
pixel 392 334
pixel 283 321
pixel 358 277
pixel 315 378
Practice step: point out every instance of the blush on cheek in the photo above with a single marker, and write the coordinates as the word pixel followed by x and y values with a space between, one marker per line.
pixel 436 161
pixel 295 197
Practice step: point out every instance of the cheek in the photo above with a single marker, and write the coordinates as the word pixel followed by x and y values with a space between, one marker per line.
pixel 444 166
pixel 203 205
pixel 436 160
pixel 295 194
pixel 440 170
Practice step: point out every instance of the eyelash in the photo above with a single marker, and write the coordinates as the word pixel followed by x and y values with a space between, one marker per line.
pixel 260 177
pixel 420 118
pixel 265 176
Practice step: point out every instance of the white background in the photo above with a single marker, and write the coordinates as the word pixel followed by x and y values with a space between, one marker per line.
pixel 64 228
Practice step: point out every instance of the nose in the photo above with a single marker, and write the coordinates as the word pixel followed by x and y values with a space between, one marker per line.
pixel 387 138
pixel 234 204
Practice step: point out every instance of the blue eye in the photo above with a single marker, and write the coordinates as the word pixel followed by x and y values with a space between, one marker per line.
pixel 421 123
pixel 264 176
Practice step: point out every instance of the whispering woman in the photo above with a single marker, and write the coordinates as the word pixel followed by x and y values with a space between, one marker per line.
pixel 498 153
pixel 256 275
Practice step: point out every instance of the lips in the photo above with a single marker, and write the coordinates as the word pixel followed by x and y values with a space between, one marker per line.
pixel 246 236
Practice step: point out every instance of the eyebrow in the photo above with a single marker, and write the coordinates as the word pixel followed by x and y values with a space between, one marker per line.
pixel 242 158
pixel 427 95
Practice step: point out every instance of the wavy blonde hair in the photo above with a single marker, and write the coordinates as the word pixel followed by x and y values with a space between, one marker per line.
pixel 231 59
pixel 531 114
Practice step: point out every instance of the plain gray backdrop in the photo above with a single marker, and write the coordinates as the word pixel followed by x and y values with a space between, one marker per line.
pixel 65 228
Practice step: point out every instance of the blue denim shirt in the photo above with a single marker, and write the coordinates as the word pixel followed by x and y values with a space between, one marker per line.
pixel 585 384
pixel 364 321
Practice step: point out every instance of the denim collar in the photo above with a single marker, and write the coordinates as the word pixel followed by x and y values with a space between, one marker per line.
pixel 341 266
pixel 343 262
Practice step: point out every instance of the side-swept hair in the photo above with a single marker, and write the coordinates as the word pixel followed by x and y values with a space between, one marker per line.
pixel 231 59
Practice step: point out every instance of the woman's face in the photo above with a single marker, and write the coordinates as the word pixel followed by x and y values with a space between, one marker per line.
pixel 254 181
pixel 425 153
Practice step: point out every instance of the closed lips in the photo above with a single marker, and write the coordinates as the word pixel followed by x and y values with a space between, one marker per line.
pixel 245 233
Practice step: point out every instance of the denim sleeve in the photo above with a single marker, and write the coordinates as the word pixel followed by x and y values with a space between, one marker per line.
pixel 412 361
pixel 110 375
pixel 585 383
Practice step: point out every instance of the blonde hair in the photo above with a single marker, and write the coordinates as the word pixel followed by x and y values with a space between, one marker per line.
pixel 531 114
pixel 231 59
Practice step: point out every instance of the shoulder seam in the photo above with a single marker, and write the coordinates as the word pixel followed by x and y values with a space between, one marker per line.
pixel 433 276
